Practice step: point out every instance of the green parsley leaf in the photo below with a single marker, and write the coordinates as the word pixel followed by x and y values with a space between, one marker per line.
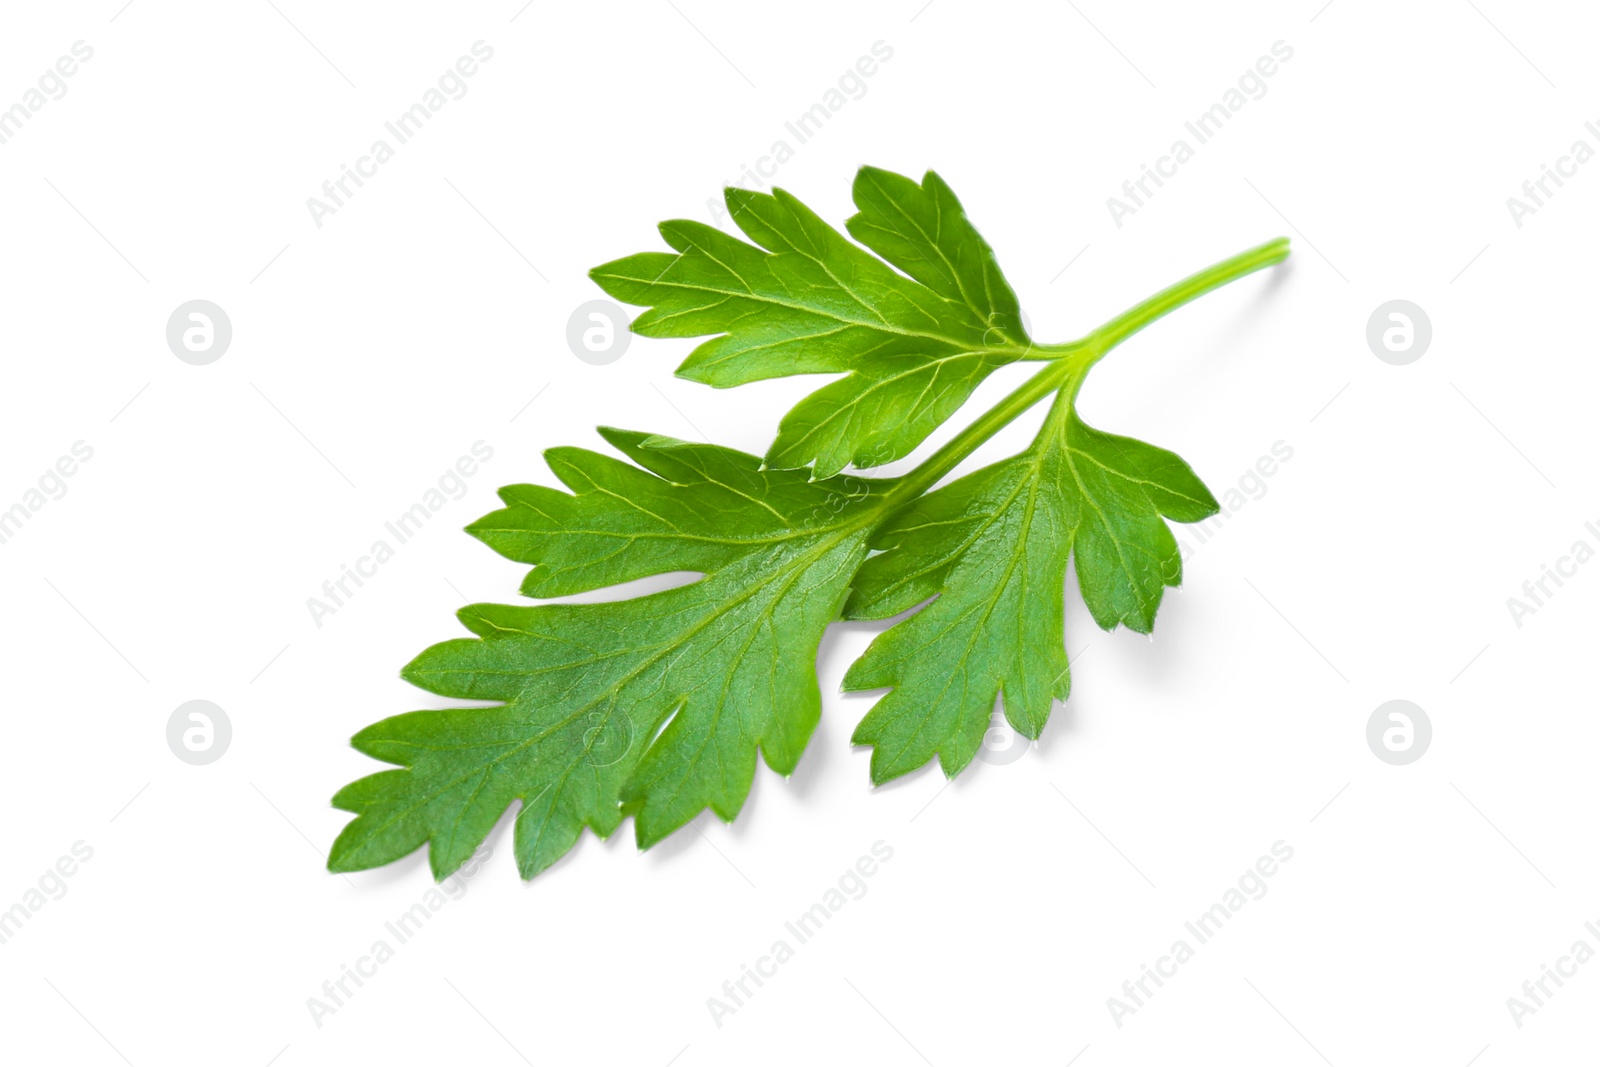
pixel 658 706
pixel 991 548
pixel 804 300
pixel 655 705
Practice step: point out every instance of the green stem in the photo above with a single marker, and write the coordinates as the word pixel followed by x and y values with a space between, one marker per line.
pixel 1215 276
pixel 1070 363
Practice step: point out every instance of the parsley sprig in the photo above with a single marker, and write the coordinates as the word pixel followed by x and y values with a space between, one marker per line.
pixel 658 706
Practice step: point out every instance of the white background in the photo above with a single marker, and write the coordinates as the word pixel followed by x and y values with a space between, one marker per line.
pixel 370 353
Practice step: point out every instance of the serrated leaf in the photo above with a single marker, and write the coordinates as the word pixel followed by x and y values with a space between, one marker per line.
pixel 656 705
pixel 923 230
pixel 804 300
pixel 991 549
pixel 659 706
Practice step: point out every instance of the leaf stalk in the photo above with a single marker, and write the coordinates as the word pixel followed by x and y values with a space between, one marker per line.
pixel 1069 363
